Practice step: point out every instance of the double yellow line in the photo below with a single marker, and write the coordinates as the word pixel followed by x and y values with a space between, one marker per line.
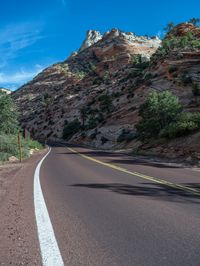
pixel 150 178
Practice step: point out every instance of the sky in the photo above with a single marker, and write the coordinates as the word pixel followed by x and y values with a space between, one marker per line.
pixel 37 33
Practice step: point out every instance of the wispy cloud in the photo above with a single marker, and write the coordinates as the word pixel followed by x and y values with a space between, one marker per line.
pixel 15 38
pixel 64 3
pixel 14 80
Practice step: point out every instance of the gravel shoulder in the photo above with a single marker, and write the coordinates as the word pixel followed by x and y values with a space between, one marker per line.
pixel 18 234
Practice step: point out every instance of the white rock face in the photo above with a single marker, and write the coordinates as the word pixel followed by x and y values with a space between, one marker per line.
pixel 5 90
pixel 93 36
pixel 132 38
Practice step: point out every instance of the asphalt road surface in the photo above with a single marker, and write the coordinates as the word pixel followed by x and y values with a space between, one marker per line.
pixel 112 209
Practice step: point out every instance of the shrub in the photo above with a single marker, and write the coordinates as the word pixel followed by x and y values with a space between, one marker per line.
pixel 103 140
pixel 33 144
pixel 185 78
pixel 172 69
pixel 169 27
pixel 178 129
pixel 71 128
pixel 186 123
pixel 92 123
pixel 127 136
pixel 116 94
pixel 188 41
pixel 105 102
pixel 139 62
pixel 97 81
pixel 148 76
pixel 9 128
pixel 8 115
pixel 94 134
pixel 195 90
pixel 194 21
pixel 9 146
pixel 100 117
pixel 159 110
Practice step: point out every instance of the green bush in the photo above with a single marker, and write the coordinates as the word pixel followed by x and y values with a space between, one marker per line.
pixel 92 123
pixel 139 62
pixel 195 90
pixel 33 144
pixel 105 102
pixel 9 146
pixel 9 128
pixel 185 124
pixel 71 128
pixel 189 41
pixel 159 110
pixel 8 115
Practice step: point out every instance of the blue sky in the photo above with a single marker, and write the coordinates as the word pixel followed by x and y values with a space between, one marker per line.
pixel 36 34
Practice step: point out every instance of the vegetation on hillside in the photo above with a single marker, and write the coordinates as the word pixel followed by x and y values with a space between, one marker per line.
pixel 71 128
pixel 8 115
pixel 189 41
pixel 172 42
pixel 163 116
pixel 9 130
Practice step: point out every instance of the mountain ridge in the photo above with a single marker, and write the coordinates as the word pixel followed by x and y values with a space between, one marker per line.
pixel 114 70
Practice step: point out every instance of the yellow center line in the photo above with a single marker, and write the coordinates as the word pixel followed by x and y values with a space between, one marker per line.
pixel 147 177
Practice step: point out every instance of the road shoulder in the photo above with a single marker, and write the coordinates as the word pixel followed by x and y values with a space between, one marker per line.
pixel 18 241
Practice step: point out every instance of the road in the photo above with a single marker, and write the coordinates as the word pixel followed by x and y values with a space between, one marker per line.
pixel 111 209
pixel 102 209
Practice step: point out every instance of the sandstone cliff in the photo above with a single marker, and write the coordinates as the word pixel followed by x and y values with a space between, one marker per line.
pixel 80 80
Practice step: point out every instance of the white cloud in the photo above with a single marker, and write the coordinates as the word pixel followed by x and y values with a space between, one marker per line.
pixel 16 79
pixel 16 37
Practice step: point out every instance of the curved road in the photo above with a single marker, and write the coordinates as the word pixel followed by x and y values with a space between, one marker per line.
pixel 112 209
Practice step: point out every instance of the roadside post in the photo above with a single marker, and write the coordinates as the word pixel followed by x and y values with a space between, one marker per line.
pixel 20 147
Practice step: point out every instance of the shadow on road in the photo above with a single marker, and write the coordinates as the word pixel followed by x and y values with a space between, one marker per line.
pixel 150 190
pixel 122 159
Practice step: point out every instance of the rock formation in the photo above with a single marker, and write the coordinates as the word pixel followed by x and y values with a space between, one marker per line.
pixel 103 86
pixel 5 90
pixel 92 37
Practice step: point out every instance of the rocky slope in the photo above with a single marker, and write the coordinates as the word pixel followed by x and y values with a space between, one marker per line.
pixel 60 91
pixel 104 84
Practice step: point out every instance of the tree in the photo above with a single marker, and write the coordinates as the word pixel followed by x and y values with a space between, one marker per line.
pixel 194 21
pixel 8 115
pixel 157 112
pixel 170 26
pixel 71 128
pixel 83 113
pixel 105 102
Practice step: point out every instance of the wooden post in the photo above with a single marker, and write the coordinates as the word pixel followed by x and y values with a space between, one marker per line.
pixel 20 147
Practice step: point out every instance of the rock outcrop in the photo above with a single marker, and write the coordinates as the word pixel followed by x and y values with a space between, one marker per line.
pixel 183 29
pixel 92 37
pixel 5 90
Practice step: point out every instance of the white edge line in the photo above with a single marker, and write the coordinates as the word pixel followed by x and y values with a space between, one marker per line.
pixel 50 252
